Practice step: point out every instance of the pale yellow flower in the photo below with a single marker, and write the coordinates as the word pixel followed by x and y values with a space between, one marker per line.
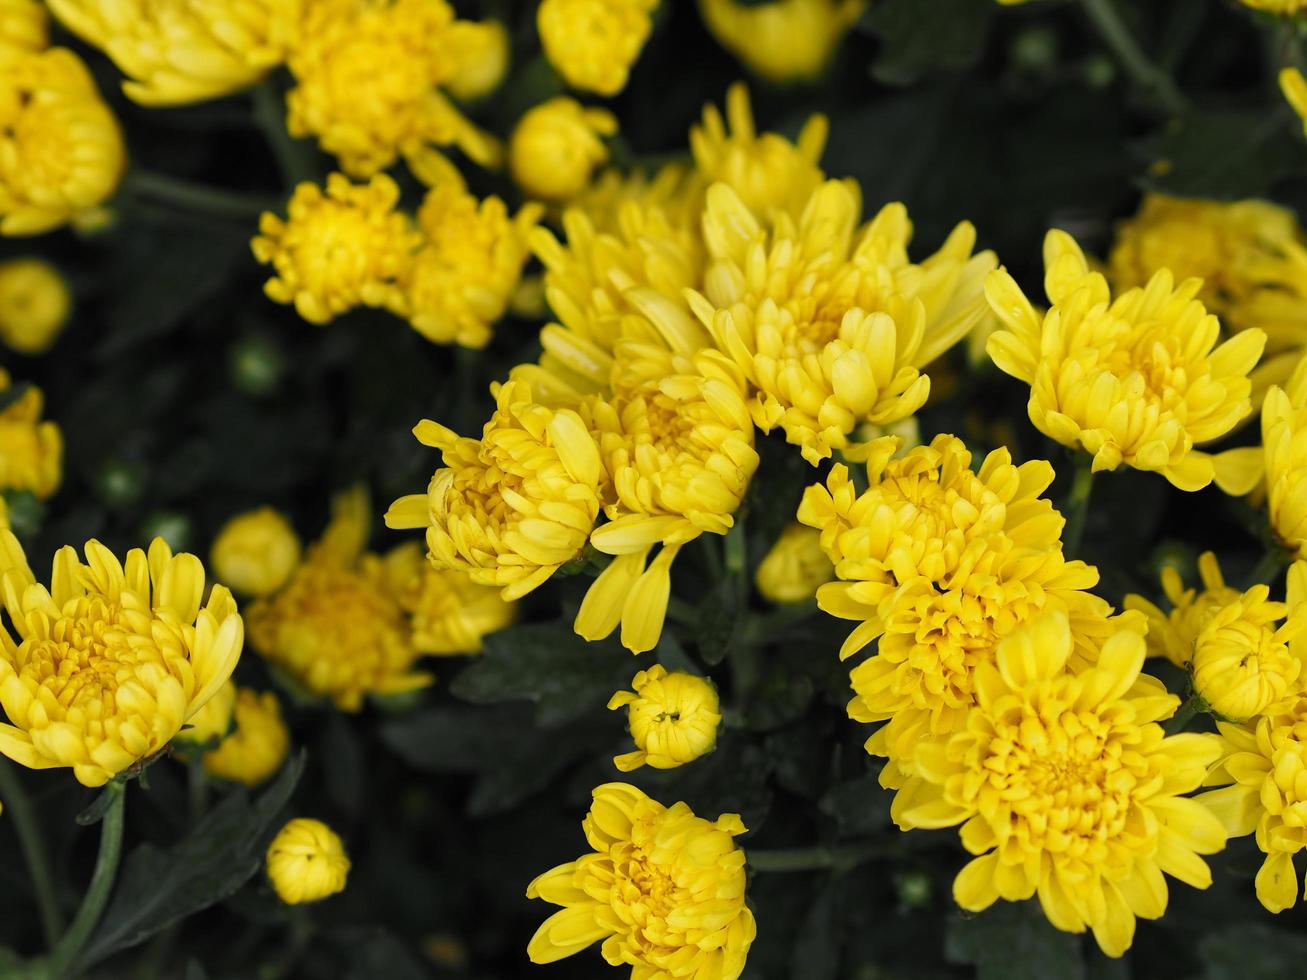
pixel 555 147
pixel 34 304
pixel 795 567
pixel 594 43
pixel 673 719
pixel 1173 635
pixel 785 40
pixel 483 50
pixel 257 744
pixel 24 26
pixel 31 451
pixel 306 862
pixel 256 552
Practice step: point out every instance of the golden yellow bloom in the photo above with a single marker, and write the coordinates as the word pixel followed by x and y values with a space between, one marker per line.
pixel 786 40
pixel 555 147
pixel 306 862
pixel 662 888
pixel 34 304
pixel 1132 381
pixel 338 248
pixel 483 52
pixel 31 451
pixel 24 26
pixel 470 262
pixel 337 628
pixel 1284 442
pixel 256 552
pixel 367 78
pixel 177 52
pixel 832 330
pixel 672 717
pixel 103 668
pixel 795 567
pixel 1173 635
pixel 61 151
pixel 212 722
pixel 256 746
pixel 1067 788
pixel 450 612
pixel 511 507
pixel 594 43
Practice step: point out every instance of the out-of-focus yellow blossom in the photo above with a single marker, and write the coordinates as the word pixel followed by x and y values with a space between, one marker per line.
pixel 212 722
pixel 1067 788
pixel 594 43
pixel 450 613
pixel 1284 442
pixel 674 188
pixel 511 507
pixel 483 52
pixel 937 563
pixel 1294 87
pixel 470 261
pixel 795 567
pixel 672 717
pixel 1277 6
pixel 556 145
pixel 1138 380
pixel 367 78
pixel 306 862
pixel 1242 662
pixel 832 327
pixel 24 26
pixel 256 746
pixel 338 248
pixel 256 552
pixel 61 151
pixel 34 304
pixel 784 40
pixel 663 889
pixel 337 628
pixel 677 445
pixel 104 668
pixel 176 52
pixel 31 451
pixel 1173 635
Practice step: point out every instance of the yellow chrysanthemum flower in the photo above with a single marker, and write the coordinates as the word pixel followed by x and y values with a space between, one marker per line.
pixel 556 146
pixel 663 889
pixel 176 52
pixel 31 451
pixel 306 862
pixel 24 26
pixel 1284 443
pixel 257 744
pixel 674 188
pixel 511 507
pixel 104 668
pixel 594 43
pixel 785 40
pixel 832 327
pixel 338 248
pixel 367 76
pixel 483 50
pixel 1173 635
pixel 470 262
pixel 451 614
pixel 673 719
pixel 337 628
pixel 1067 788
pixel 212 722
pixel 256 552
pixel 61 151
pixel 34 304
pixel 677 445
pixel 1132 381
pixel 795 567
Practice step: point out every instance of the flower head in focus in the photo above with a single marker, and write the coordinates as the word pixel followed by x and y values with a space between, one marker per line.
pixel 176 52
pixel 338 248
pixel 785 40
pixel 1284 446
pixel 672 717
pixel 24 26
pixel 1173 635
pixel 257 744
pixel 1066 787
pixel 103 668
pixel 61 151
pixel 555 147
pixel 1139 380
pixel 594 43
pixel 662 888
pixel 795 567
pixel 255 553
pixel 451 614
pixel 31 451
pixel 34 304
pixel 306 862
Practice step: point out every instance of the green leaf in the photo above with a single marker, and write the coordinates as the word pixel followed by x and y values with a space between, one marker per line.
pixel 1226 154
pixel 818 941
pixel 1252 951
pixel 719 617
pixel 1013 941
pixel 380 954
pixel 160 886
pixel 859 806
pixel 920 36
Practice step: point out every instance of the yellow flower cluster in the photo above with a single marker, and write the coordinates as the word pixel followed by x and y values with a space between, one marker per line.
pixel 673 719
pixel 31 451
pixel 306 862
pixel 662 889
pixel 594 43
pixel 786 40
pixel 34 305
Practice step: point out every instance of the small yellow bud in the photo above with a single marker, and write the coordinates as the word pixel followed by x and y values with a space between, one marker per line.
pixel 256 552
pixel 34 305
pixel 306 862
pixel 795 567
pixel 257 746
pixel 483 52
pixel 213 721
pixel 672 717
pixel 785 40
pixel 594 43
pixel 556 147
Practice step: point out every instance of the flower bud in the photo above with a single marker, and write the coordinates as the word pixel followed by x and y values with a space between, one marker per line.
pixel 256 552
pixel 257 746
pixel 672 717
pixel 34 305
pixel 795 567
pixel 556 146
pixel 306 862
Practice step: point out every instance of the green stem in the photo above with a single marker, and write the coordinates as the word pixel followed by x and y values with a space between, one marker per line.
pixel 1271 567
pixel 818 858
pixel 294 157
pixel 1178 721
pixel 680 611
pixel 763 626
pixel 1077 506
pixel 20 811
pixel 197 198
pixel 1147 76
pixel 63 960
